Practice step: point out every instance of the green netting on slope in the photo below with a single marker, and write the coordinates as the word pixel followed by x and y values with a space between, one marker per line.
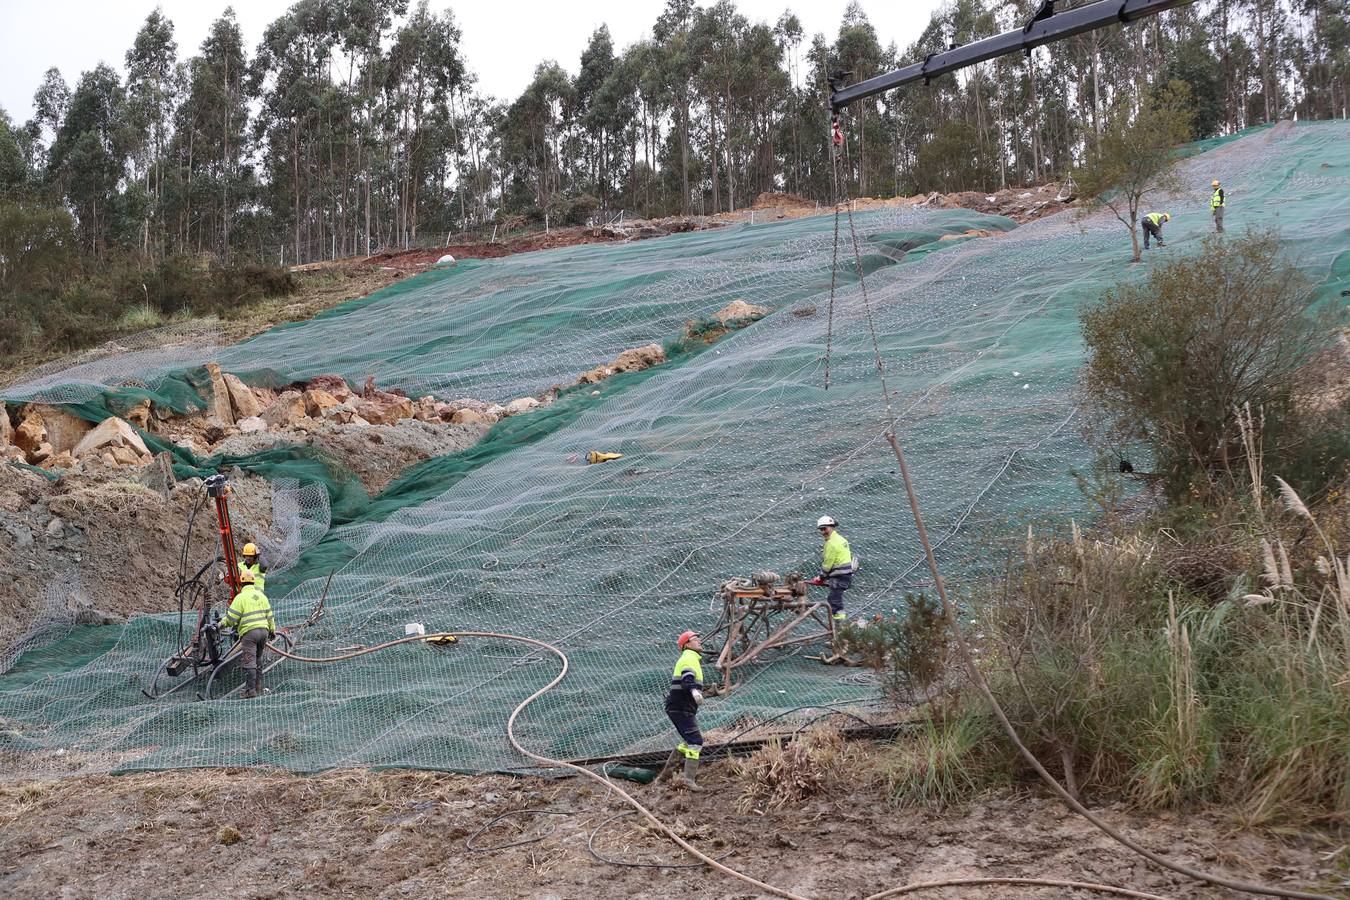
pixel 729 458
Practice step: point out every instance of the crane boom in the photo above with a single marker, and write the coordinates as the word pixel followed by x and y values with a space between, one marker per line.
pixel 1046 27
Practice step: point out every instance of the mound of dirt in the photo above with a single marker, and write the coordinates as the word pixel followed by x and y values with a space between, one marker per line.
pixel 107 543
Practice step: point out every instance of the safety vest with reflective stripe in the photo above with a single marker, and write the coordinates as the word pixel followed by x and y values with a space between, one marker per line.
pixel 1217 200
pixel 259 576
pixel 250 610
pixel 689 661
pixel 1155 218
pixel 837 557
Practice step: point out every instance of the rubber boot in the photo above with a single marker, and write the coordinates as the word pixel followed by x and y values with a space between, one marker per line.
pixel 690 771
pixel 258 681
pixel 250 683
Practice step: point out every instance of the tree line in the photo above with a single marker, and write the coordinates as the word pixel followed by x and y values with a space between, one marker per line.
pixel 355 125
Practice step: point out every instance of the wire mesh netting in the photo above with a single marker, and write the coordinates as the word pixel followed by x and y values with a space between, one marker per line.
pixel 730 453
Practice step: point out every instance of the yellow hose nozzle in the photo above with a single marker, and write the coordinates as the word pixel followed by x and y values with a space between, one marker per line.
pixel 597 456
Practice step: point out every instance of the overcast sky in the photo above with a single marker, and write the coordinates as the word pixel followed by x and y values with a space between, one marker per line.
pixel 503 39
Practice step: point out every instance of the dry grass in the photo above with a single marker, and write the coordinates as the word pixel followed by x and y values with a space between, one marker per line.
pixel 781 773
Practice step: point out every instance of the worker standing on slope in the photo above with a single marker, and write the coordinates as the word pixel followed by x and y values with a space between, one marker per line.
pixel 1216 206
pixel 682 703
pixel 837 566
pixel 250 615
pixel 251 563
pixel 1153 223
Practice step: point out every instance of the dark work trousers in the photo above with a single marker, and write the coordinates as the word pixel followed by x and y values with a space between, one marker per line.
pixel 687 726
pixel 837 585
pixel 251 647
pixel 1218 219
pixel 1151 229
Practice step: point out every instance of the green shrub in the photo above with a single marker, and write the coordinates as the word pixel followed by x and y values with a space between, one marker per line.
pixel 947 761
pixel 1171 359
pixel 908 652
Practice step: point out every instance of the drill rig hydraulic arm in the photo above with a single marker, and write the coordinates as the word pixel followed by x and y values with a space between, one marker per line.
pixel 1045 27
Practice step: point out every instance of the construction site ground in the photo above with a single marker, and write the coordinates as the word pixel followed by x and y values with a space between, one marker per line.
pixel 401 834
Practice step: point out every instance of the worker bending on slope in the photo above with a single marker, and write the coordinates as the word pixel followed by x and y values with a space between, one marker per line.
pixel 251 563
pixel 1153 223
pixel 682 702
pixel 1216 205
pixel 837 566
pixel 250 615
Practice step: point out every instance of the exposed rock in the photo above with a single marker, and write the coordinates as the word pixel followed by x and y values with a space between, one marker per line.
pixel 6 429
pixel 41 454
pixel 62 460
pixel 139 415
pixel 446 260
pixel 472 417
pixel 218 404
pixel 426 410
pixel 125 456
pixel 974 232
pixel 242 401
pixel 317 400
pixel 158 476
pixel 113 434
pixel 64 431
pixel 639 358
pixel 385 412
pixel 739 310
pixel 520 405
pixel 30 434
pixel 285 410
pixel 56 529
pixel 252 425
pixel 333 384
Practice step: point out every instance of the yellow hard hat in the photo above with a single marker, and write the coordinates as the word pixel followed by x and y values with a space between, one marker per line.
pixel 1214 183
pixel 250 549
pixel 245 576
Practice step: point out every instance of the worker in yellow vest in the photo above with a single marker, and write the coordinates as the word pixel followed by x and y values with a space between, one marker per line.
pixel 1153 223
pixel 682 703
pixel 250 615
pixel 253 564
pixel 837 565
pixel 1216 205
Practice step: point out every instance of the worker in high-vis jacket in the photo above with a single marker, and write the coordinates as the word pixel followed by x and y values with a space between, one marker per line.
pixel 250 615
pixel 837 564
pixel 1216 205
pixel 253 564
pixel 682 703
pixel 1153 223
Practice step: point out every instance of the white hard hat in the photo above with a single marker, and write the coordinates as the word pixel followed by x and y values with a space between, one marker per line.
pixel 826 520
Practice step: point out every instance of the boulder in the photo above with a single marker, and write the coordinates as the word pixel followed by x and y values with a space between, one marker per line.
pixel 378 413
pixel 520 405
pixel 739 310
pixel 285 410
pixel 218 404
pixel 158 476
pixel 472 417
pixel 242 401
pixel 317 400
pixel 6 429
pixel 31 433
pixel 252 425
pixel 111 434
pixel 333 384
pixel 63 430
pixel 41 454
pixel 446 260
pixel 125 456
pixel 426 410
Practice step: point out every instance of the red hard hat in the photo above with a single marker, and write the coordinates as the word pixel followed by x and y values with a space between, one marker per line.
pixel 686 638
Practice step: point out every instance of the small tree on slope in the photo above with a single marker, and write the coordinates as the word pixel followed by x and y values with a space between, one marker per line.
pixel 1135 157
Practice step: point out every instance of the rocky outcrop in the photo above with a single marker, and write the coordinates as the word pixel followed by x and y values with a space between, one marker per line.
pixel 520 405
pixel 218 404
pixel 740 311
pixel 243 403
pixel 60 429
pixel 633 360
pixel 286 410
